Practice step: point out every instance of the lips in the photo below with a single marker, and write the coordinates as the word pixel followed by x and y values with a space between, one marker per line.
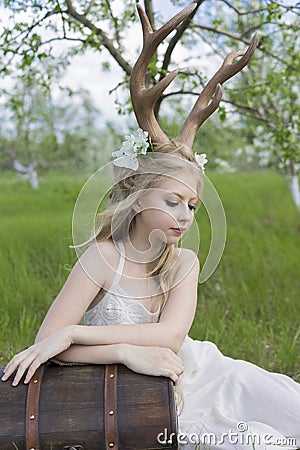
pixel 179 230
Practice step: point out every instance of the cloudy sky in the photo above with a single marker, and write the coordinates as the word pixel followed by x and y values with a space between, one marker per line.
pixel 85 71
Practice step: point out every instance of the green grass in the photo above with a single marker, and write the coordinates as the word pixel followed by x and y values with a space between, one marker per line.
pixel 249 307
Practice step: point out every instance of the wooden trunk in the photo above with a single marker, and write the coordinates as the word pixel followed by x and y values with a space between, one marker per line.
pixel 88 407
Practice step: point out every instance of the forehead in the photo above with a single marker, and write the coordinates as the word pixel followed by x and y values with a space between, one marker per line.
pixel 182 184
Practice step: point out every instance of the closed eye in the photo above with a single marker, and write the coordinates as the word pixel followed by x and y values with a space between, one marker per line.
pixel 171 203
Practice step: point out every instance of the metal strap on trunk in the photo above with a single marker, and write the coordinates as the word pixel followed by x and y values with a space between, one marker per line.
pixel 110 407
pixel 32 410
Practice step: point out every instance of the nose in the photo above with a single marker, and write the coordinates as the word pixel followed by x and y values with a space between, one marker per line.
pixel 185 215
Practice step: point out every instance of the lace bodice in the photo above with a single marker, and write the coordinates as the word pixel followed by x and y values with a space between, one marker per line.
pixel 117 307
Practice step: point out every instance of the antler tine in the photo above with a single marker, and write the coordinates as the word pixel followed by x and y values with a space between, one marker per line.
pixel 143 99
pixel 202 110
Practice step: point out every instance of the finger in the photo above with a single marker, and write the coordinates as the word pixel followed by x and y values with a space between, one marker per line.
pixel 176 369
pixel 171 374
pixel 179 361
pixel 31 371
pixel 11 366
pixel 176 363
pixel 179 365
pixel 21 369
pixel 176 358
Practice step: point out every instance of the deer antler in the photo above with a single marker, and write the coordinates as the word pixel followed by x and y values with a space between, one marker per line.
pixel 143 99
pixel 202 110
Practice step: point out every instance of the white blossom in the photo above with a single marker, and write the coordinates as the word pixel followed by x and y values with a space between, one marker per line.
pixel 201 160
pixel 134 144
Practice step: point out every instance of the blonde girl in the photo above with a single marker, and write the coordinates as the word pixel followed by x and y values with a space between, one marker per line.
pixel 146 209
pixel 137 290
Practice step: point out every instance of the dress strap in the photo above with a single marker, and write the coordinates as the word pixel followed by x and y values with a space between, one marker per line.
pixel 120 268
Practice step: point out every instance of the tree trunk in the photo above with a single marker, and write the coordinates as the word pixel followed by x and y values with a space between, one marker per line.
pixel 293 185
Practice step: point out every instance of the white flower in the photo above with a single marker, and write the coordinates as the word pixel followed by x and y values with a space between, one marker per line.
pixel 128 161
pixel 141 141
pixel 134 144
pixel 126 149
pixel 201 160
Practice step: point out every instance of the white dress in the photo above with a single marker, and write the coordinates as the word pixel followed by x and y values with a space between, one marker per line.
pixel 228 404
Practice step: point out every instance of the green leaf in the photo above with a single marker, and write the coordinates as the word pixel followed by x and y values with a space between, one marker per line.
pixel 222 113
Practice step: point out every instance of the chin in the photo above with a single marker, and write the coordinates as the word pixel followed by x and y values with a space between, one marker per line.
pixel 173 239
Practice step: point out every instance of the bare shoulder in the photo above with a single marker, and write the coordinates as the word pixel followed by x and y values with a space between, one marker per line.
pixel 100 260
pixel 187 263
pixel 107 248
pixel 187 255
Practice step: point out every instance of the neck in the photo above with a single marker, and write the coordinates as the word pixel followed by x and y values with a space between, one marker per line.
pixel 143 250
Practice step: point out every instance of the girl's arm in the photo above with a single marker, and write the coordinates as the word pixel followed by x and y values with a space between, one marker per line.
pixel 75 297
pixel 58 331
pixel 84 282
pixel 175 321
pixel 155 361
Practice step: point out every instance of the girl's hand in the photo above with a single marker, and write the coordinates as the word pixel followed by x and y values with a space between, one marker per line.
pixel 158 361
pixel 37 354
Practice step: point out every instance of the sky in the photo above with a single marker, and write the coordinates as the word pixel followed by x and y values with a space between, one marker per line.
pixel 85 71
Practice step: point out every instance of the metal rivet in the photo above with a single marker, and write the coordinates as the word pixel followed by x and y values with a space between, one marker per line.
pixel 111 375
pixel 31 417
pixel 35 381
pixel 111 444
pixel 111 412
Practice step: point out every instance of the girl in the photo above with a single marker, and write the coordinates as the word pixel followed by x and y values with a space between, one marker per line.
pixel 137 290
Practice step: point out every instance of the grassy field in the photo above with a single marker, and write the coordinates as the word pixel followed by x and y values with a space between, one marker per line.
pixel 249 307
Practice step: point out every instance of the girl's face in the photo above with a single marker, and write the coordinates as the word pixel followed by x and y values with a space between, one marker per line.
pixel 167 211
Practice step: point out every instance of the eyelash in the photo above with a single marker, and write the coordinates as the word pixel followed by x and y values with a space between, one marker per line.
pixel 169 203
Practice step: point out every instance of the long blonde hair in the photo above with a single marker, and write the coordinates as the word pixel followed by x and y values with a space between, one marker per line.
pixel 118 218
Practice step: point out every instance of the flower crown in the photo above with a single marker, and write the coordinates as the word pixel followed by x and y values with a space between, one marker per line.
pixel 137 144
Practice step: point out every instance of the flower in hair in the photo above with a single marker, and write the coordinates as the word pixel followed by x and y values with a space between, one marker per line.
pixel 134 144
pixel 201 160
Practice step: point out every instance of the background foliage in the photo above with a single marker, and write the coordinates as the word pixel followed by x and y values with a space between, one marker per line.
pixel 250 304
pixel 40 38
pixel 249 307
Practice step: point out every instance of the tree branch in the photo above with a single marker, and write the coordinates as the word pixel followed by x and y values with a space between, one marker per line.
pixel 223 32
pixel 90 5
pixel 149 12
pixel 35 24
pixel 117 86
pixel 252 112
pixel 291 8
pixel 106 41
pixel 243 13
pixel 173 42
pixel 288 7
pixel 25 34
pixel 241 39
pixel 115 21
